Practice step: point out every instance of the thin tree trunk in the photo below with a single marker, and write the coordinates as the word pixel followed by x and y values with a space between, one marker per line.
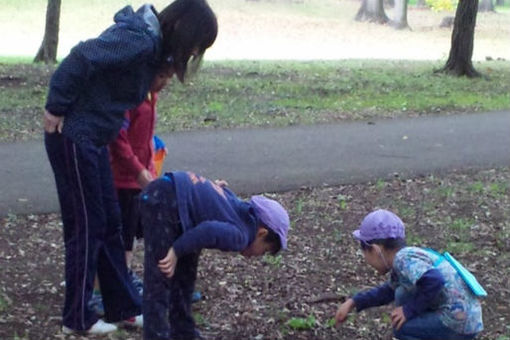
pixel 48 51
pixel 500 2
pixel 400 19
pixel 459 61
pixel 486 6
pixel 372 11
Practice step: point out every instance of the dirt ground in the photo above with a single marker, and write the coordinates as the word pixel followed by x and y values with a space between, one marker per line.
pixel 464 212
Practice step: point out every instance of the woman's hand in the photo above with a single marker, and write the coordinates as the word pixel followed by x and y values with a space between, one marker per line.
pixel 398 318
pixel 52 123
pixel 168 263
pixel 343 310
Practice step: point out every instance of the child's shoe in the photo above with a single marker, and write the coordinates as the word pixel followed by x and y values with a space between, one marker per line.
pixel 136 281
pixel 134 321
pixel 196 296
pixel 100 327
pixel 95 303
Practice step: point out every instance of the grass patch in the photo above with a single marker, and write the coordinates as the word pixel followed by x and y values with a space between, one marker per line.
pixel 460 247
pixel 3 304
pixel 279 93
pixel 302 323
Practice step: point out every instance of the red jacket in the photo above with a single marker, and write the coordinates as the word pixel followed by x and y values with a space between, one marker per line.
pixel 133 149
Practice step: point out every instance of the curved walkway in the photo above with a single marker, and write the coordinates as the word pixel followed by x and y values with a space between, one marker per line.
pixel 280 159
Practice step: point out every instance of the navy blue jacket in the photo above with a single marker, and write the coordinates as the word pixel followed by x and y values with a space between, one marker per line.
pixel 101 78
pixel 427 289
pixel 212 217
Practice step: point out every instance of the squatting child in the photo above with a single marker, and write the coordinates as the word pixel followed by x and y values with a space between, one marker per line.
pixel 433 301
pixel 183 213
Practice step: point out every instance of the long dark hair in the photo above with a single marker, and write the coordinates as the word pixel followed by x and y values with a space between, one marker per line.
pixel 188 28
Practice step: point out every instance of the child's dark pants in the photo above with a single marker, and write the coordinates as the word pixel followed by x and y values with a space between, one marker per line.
pixel 166 302
pixel 93 244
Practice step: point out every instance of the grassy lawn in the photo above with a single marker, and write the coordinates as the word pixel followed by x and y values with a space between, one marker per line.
pixel 231 94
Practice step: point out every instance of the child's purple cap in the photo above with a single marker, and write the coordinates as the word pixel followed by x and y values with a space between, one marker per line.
pixel 380 224
pixel 273 215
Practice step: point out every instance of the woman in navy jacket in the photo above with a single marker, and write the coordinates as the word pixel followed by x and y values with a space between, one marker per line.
pixel 88 95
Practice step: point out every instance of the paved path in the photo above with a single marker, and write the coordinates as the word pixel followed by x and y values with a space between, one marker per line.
pixel 279 159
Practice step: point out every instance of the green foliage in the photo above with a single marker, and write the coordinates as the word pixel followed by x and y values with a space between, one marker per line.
pixel 445 191
pixel 498 189
pixel 476 188
pixel 342 201
pixel 442 5
pixel 21 337
pixel 414 239
pixel 379 185
pixel 280 93
pixel 3 304
pixel 302 323
pixel 461 224
pixel 273 260
pixel 299 206
pixel 199 319
pixel 460 247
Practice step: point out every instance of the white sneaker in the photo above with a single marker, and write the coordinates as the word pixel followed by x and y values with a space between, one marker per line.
pixel 135 321
pixel 100 327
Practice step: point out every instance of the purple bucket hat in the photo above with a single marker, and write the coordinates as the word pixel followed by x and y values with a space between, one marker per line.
pixel 273 215
pixel 380 224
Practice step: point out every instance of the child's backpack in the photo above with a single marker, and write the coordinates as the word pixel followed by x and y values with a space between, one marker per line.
pixel 470 280
pixel 159 154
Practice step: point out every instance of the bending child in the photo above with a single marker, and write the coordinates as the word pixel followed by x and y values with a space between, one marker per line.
pixel 183 213
pixel 433 302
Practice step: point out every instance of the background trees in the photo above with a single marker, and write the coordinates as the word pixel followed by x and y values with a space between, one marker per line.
pixel 372 11
pixel 48 51
pixel 459 61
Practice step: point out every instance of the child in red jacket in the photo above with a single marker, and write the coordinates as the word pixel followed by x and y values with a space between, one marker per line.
pixel 131 158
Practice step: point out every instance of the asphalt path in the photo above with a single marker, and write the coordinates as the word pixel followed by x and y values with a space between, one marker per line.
pixel 281 159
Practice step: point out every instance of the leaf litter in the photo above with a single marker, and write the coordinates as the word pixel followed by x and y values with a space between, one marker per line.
pixel 295 295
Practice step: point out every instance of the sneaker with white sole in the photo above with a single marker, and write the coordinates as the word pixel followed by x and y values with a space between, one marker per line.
pixel 136 281
pixel 100 327
pixel 95 304
pixel 134 321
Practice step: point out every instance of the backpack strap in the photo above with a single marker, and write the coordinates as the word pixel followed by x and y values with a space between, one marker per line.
pixel 438 254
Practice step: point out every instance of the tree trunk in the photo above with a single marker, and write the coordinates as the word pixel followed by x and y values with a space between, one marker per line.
pixel 486 6
pixel 372 11
pixel 500 2
pixel 48 51
pixel 400 19
pixel 421 4
pixel 459 61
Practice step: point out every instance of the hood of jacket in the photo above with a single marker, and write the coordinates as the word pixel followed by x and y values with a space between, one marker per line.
pixel 144 18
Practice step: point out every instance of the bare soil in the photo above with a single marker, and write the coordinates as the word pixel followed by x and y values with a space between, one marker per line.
pixel 466 213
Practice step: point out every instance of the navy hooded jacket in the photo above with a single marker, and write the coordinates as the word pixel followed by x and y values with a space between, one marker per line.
pixel 212 217
pixel 101 78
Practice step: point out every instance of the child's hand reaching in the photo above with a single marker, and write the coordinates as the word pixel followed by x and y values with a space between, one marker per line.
pixel 168 263
pixel 221 183
pixel 343 310
pixel 398 318
pixel 144 178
